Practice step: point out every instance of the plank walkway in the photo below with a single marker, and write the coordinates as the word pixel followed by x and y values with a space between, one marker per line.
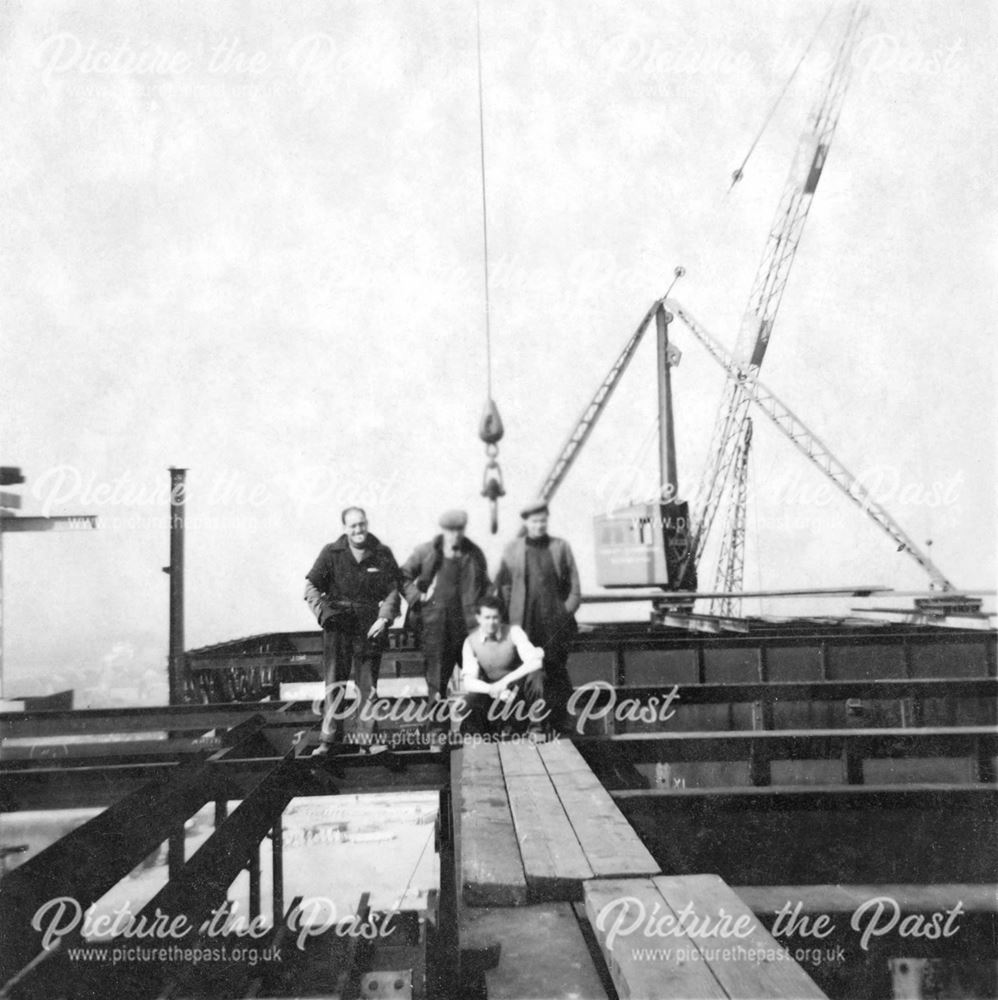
pixel 522 948
pixel 655 953
pixel 536 830
pixel 537 823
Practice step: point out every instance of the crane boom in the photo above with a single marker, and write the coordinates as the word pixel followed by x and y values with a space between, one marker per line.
pixel 728 437
pixel 585 424
pixel 811 446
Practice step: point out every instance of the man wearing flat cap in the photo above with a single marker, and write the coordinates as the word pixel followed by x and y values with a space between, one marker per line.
pixel 443 580
pixel 539 584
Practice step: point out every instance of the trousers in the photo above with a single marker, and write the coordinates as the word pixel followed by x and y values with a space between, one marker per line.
pixel 484 714
pixel 345 653
pixel 442 642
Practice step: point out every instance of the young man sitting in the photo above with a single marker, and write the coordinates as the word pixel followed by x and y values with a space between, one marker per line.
pixel 501 676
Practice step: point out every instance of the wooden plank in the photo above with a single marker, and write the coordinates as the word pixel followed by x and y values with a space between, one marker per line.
pixel 520 757
pixel 747 961
pixel 491 871
pixel 610 844
pixel 553 861
pixel 542 953
pixel 667 969
pixel 560 756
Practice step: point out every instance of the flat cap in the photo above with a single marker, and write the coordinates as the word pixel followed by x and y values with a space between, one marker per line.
pixel 534 507
pixel 454 519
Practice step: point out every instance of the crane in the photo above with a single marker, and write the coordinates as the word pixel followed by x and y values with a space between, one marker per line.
pixel 812 447
pixel 594 408
pixel 730 439
pixel 732 435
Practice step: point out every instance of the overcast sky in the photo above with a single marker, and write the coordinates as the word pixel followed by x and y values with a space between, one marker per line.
pixel 247 239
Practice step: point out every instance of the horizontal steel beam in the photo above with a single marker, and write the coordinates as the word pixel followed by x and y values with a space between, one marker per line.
pixel 817 797
pixel 816 744
pixel 784 691
pixel 672 595
pixel 47 786
pixel 175 719
pixel 57 522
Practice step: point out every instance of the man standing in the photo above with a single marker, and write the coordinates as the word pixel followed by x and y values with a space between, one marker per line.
pixel 539 583
pixel 444 580
pixel 353 591
pixel 495 658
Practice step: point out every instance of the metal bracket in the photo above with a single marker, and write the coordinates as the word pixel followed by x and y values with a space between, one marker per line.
pixel 395 984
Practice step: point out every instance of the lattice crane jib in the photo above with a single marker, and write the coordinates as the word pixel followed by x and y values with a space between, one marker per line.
pixel 768 288
pixel 731 564
pixel 813 448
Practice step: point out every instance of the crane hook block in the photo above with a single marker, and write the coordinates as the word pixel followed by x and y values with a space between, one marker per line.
pixel 492 489
pixel 490 429
pixel 492 486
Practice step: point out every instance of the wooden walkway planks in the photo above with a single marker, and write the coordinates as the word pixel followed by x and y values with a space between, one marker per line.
pixel 536 826
pixel 491 870
pixel 767 975
pixel 691 962
pixel 609 842
pixel 620 903
pixel 553 860
pixel 536 823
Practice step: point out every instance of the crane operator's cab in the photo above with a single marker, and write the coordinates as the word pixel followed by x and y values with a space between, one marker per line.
pixel 645 545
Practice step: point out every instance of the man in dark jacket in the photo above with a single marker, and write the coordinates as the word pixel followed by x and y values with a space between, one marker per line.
pixel 444 580
pixel 539 584
pixel 353 592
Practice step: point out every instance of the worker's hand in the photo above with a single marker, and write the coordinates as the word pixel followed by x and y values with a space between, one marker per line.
pixel 502 692
pixel 377 628
pixel 533 684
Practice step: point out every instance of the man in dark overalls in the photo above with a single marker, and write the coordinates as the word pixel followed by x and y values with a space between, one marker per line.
pixel 353 592
pixel 539 584
pixel 444 579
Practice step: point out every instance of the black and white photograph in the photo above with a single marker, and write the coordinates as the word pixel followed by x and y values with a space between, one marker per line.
pixel 498 500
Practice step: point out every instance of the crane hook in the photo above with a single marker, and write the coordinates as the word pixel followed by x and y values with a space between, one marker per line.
pixel 492 486
pixel 491 430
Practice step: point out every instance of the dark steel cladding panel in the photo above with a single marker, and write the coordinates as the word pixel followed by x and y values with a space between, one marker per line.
pixel 950 659
pixel 794 663
pixel 733 665
pixel 660 667
pixel 876 661
pixel 585 666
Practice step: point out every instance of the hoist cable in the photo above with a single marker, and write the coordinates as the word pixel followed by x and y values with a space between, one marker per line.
pixel 737 175
pixel 485 216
